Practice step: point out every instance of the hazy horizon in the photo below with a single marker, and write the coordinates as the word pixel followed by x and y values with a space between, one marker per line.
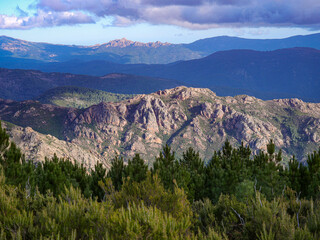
pixel 92 44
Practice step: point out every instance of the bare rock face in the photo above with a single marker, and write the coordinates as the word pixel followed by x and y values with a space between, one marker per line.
pixel 123 42
pixel 37 147
pixel 182 117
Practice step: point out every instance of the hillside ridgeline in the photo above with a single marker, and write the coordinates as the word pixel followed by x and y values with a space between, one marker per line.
pixel 181 117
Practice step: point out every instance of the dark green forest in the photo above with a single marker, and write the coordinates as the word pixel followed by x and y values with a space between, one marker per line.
pixel 235 195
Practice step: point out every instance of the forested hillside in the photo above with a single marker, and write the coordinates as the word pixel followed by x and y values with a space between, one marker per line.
pixel 236 195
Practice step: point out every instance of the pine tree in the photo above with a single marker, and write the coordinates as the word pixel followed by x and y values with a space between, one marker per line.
pixel 116 172
pixel 192 162
pixel 97 175
pixel 314 173
pixel 170 171
pixel 164 166
pixel 4 140
pixel 136 169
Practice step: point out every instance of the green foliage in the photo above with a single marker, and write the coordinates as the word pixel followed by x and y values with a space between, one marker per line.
pixel 147 223
pixel 194 165
pixel 314 173
pixel 136 169
pixel 204 214
pixel 72 214
pixel 168 168
pixel 152 193
pixel 116 172
pixel 97 175
pixel 55 174
pixel 234 196
pixel 78 97
pixel 269 176
pixel 4 139
pixel 269 219
pixel 230 216
pixel 227 169
pixel 244 190
pixel 270 148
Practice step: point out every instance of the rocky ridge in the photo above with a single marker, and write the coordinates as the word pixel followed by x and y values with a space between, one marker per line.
pixel 37 147
pixel 181 117
pixel 123 42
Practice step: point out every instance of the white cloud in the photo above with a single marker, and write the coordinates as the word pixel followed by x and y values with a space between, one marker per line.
pixel 44 19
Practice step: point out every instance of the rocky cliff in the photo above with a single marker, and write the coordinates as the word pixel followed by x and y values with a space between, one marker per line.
pixel 37 147
pixel 181 117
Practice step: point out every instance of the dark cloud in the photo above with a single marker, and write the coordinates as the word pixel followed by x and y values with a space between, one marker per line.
pixel 195 14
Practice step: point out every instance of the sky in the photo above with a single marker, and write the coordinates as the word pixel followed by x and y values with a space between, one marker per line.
pixel 88 22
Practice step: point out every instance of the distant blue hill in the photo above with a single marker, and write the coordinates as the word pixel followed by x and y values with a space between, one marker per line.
pixel 124 51
pixel 17 84
pixel 293 72
pixel 223 43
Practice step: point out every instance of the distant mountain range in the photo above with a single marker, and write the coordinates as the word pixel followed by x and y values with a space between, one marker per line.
pixel 284 73
pixel 118 51
pixel 126 51
pixel 266 74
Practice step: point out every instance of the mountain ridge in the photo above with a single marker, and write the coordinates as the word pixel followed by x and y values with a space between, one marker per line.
pixel 127 51
pixel 283 73
pixel 20 84
pixel 181 117
pixel 123 42
pixel 293 72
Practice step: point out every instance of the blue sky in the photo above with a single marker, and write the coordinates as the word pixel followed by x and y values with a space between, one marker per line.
pixel 88 22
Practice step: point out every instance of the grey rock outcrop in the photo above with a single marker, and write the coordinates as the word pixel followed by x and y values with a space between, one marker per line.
pixel 182 117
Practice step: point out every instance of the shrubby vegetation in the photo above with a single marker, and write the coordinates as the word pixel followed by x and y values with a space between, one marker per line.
pixel 236 195
pixel 79 97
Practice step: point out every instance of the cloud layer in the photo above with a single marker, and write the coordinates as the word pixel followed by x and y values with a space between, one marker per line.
pixel 194 14
pixel 44 19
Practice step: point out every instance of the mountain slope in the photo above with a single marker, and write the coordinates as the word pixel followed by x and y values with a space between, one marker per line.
pixel 17 48
pixel 27 84
pixel 293 72
pixel 117 51
pixel 223 43
pixel 181 117
pixel 77 97
pixel 37 147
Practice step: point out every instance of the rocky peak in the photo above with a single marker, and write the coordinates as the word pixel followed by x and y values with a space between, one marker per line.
pixel 155 115
pixel 123 42
pixel 183 93
pixel 103 114
pixel 298 105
